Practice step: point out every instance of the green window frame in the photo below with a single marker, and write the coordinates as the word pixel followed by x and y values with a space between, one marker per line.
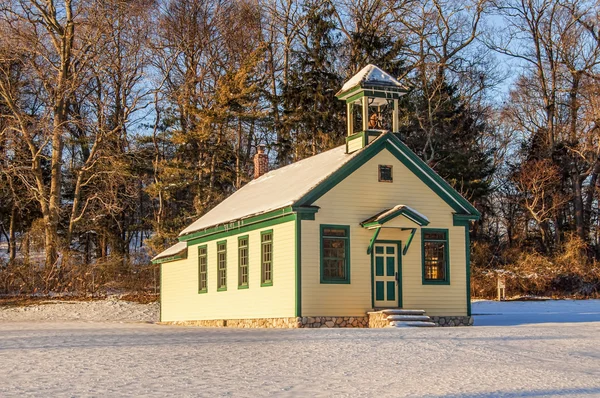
pixel 266 258
pixel 221 266
pixel 335 254
pixel 202 269
pixel 436 256
pixel 243 262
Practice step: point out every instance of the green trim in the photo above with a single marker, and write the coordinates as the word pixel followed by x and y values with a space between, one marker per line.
pixel 373 94
pixel 222 288
pixel 460 204
pixel 262 270
pixel 346 280
pixel 399 259
pixel 240 285
pixel 468 264
pixel 373 239
pixel 390 142
pixel 298 243
pixel 306 212
pixel 459 220
pixel 236 225
pixel 387 92
pixel 205 290
pixel 410 239
pixel 160 298
pixel 406 212
pixel 182 255
pixel 350 90
pixel 244 229
pixel 446 280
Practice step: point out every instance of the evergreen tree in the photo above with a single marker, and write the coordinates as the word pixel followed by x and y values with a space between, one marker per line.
pixel 448 138
pixel 313 117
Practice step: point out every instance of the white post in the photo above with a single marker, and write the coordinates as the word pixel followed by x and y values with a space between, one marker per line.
pixel 365 113
pixel 395 126
pixel 350 112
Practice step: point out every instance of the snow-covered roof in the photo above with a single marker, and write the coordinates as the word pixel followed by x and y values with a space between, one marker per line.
pixel 171 251
pixel 371 75
pixel 274 190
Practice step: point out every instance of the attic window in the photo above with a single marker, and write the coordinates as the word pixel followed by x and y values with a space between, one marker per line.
pixel 385 173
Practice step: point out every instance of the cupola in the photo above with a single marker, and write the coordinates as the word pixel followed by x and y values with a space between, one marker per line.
pixel 371 104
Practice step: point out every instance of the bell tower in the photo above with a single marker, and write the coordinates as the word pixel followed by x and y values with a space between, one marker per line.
pixel 371 98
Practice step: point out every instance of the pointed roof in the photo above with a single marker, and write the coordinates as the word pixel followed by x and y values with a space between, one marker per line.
pixel 300 184
pixel 275 189
pixel 371 76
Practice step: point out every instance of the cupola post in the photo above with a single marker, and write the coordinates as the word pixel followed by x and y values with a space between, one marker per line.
pixel 371 98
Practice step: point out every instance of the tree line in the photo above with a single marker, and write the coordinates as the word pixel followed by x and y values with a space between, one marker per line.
pixel 121 122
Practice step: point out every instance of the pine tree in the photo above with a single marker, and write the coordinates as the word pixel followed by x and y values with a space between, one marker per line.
pixel 313 117
pixel 447 137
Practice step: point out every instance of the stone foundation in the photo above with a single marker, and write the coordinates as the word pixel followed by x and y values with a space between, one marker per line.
pixel 285 323
pixel 452 320
pixel 282 323
pixel 372 320
pixel 334 322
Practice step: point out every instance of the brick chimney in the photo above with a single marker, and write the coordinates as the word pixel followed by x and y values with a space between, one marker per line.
pixel 261 162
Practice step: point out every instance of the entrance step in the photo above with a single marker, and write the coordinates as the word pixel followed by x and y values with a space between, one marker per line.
pixel 403 312
pixel 408 318
pixel 419 324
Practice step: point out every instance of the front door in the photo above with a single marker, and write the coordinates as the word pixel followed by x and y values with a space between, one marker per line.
pixel 387 289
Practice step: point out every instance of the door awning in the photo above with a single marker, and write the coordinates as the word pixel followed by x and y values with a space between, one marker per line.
pixel 379 219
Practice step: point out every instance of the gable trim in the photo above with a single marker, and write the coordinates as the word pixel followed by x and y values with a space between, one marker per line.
pixel 390 142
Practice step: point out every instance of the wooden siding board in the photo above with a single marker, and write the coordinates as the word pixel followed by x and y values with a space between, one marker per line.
pixel 180 299
pixel 356 198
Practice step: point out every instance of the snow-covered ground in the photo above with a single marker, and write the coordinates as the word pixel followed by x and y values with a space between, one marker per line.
pixel 525 359
pixel 96 311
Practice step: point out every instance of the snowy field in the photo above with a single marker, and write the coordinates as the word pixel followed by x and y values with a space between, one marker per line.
pixel 532 354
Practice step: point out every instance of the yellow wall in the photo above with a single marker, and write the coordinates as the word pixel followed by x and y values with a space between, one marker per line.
pixel 357 198
pixel 180 299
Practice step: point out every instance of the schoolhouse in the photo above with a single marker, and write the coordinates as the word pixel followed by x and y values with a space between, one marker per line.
pixel 362 235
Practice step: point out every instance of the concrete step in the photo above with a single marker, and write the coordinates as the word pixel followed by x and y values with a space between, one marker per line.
pixel 418 324
pixel 408 318
pixel 403 312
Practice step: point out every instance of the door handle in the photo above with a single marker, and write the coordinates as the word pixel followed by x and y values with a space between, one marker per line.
pixel 396 277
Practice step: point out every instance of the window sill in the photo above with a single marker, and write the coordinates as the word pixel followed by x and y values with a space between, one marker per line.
pixel 433 282
pixel 243 287
pixel 202 291
pixel 334 282
pixel 266 284
pixel 221 289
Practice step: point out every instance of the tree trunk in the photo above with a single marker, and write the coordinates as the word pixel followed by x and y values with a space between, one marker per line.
pixel 12 242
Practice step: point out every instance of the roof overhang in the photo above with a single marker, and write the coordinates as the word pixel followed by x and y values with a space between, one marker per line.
pixel 176 252
pixel 379 219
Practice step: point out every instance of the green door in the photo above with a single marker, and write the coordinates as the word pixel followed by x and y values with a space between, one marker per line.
pixel 387 289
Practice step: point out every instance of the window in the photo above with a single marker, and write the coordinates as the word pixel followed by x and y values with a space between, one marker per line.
pixel 243 262
pixel 335 254
pixel 202 269
pixel 385 173
pixel 435 256
pixel 266 256
pixel 222 266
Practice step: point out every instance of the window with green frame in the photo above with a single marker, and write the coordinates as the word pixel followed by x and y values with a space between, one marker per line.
pixel 243 262
pixel 436 260
pixel 202 269
pixel 222 265
pixel 335 254
pixel 266 257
